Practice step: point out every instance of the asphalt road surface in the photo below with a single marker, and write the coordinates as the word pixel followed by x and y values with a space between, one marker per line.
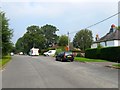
pixel 45 72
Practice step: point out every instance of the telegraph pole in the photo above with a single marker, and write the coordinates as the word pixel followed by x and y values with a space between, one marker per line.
pixel 68 41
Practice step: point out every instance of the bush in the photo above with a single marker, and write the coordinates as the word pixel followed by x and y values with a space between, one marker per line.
pixel 92 53
pixel 109 53
pixel 62 48
pixel 78 55
pixel 58 51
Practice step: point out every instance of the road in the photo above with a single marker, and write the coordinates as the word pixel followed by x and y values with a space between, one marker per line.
pixel 45 72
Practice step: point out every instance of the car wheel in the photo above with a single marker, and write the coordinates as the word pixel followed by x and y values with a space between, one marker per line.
pixel 72 60
pixel 56 59
pixel 61 60
pixel 47 55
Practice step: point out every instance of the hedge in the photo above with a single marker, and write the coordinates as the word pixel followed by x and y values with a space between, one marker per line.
pixel 108 53
pixel 92 53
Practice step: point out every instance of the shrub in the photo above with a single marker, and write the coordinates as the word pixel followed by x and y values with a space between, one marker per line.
pixel 109 53
pixel 58 51
pixel 92 53
pixel 78 55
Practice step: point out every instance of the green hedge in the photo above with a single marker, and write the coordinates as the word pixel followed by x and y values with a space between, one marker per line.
pixel 109 53
pixel 92 53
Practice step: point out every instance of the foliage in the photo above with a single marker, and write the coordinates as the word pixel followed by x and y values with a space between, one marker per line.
pixel 63 40
pixel 6 34
pixel 32 38
pixel 49 32
pixel 92 53
pixel 19 45
pixel 37 37
pixel 78 55
pixel 4 60
pixel 62 48
pixel 109 53
pixel 58 51
pixel 83 39
pixel 99 45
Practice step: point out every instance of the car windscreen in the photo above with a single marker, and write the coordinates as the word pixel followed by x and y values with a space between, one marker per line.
pixel 68 53
pixel 49 51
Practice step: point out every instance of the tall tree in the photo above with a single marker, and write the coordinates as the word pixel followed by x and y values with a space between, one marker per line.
pixel 6 33
pixel 32 38
pixel 63 40
pixel 83 39
pixel 19 45
pixel 49 32
pixel 37 37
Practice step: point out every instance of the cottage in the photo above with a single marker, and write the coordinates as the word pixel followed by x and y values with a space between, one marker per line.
pixel 111 39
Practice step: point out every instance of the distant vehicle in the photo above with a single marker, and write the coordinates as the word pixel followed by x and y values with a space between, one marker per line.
pixel 34 52
pixel 50 53
pixel 65 56
pixel 12 54
pixel 21 53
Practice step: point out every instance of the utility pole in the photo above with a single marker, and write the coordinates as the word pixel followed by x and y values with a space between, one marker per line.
pixel 68 41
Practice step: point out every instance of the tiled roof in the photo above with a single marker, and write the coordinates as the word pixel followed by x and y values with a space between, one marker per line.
pixel 110 36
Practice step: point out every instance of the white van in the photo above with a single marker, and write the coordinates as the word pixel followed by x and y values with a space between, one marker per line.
pixel 34 52
pixel 50 53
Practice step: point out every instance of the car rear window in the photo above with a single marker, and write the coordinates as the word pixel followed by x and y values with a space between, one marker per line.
pixel 68 53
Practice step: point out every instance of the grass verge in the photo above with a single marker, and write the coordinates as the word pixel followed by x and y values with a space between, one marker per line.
pixel 81 59
pixel 4 60
pixel 116 65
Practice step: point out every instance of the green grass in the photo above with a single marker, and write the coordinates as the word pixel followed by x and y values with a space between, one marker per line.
pixel 81 59
pixel 4 60
pixel 116 65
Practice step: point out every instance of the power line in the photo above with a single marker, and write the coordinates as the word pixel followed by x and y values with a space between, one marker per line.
pixel 97 22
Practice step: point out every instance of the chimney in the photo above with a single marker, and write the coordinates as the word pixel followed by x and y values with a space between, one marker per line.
pixel 112 29
pixel 97 37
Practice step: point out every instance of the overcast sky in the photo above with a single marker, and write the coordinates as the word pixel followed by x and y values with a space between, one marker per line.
pixel 66 15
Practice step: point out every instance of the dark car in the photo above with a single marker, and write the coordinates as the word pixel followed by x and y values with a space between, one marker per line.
pixel 65 56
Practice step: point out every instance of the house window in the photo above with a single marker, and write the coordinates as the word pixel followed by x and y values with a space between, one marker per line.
pixel 118 42
pixel 94 45
pixel 110 43
pixel 102 44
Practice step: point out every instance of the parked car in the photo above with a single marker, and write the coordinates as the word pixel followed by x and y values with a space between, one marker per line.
pixel 12 54
pixel 50 53
pixel 20 53
pixel 65 56
pixel 34 52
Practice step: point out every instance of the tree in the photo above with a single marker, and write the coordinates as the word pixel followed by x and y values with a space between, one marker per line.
pixel 37 37
pixel 83 39
pixel 63 40
pixel 32 38
pixel 6 33
pixel 49 32
pixel 19 45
